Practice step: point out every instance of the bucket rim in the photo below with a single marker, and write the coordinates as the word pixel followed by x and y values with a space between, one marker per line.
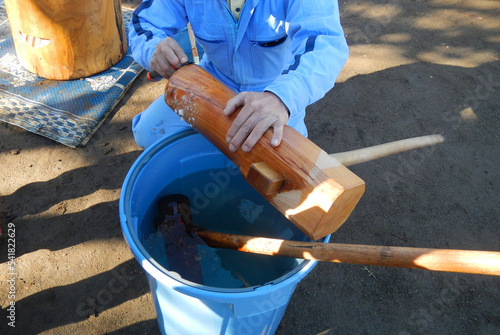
pixel 160 273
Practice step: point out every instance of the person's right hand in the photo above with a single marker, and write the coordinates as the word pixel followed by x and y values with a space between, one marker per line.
pixel 167 57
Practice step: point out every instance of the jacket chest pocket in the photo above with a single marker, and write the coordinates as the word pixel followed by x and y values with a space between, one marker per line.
pixel 268 32
pixel 269 47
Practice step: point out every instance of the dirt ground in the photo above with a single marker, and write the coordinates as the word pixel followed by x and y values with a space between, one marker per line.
pixel 416 68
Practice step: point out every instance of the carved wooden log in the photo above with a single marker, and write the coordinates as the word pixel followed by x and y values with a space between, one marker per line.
pixel 312 189
pixel 67 39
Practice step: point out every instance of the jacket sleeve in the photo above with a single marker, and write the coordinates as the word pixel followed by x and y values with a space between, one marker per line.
pixel 151 22
pixel 320 51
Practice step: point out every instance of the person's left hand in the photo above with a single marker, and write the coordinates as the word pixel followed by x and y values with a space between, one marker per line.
pixel 260 111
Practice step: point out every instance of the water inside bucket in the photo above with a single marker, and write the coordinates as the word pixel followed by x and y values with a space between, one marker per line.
pixel 221 200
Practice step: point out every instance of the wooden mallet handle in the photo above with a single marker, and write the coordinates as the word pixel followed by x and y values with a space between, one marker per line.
pixel 464 261
pixel 358 156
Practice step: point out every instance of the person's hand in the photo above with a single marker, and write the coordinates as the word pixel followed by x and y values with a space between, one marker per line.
pixel 167 57
pixel 260 111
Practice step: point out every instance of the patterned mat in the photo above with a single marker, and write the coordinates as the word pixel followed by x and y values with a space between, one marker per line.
pixel 68 112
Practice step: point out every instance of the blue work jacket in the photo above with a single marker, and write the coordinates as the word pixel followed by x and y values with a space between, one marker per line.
pixel 293 48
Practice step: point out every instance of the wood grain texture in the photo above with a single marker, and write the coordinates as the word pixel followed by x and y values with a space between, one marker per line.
pixel 67 39
pixel 317 194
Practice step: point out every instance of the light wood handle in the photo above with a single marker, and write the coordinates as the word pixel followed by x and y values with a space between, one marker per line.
pixel 192 40
pixel 464 261
pixel 353 157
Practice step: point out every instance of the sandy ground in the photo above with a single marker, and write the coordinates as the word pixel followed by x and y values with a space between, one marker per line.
pixel 416 68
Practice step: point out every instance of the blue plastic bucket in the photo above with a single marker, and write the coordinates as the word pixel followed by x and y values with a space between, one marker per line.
pixel 185 307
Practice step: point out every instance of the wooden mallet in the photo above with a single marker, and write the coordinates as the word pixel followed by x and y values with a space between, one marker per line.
pixel 310 187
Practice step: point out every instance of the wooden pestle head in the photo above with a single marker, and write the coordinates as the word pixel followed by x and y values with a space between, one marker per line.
pixel 312 189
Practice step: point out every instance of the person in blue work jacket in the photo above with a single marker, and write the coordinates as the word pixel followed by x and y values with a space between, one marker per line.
pixel 279 56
